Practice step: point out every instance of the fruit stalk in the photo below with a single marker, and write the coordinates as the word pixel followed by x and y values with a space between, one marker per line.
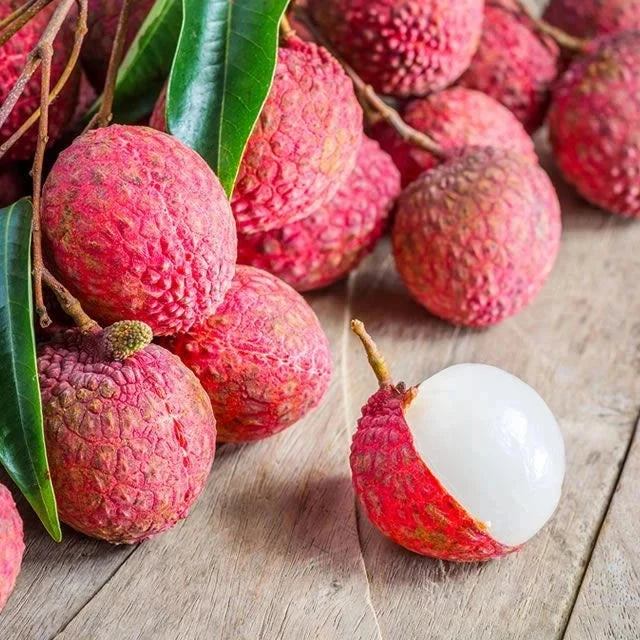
pixel 370 100
pixel 285 28
pixel 16 20
pixel 561 37
pixel 375 358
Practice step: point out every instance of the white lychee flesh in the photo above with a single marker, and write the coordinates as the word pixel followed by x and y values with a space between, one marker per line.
pixel 493 444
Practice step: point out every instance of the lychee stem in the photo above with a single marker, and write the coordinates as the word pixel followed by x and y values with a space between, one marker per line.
pixel 372 100
pixel 285 28
pixel 374 356
pixel 16 20
pixel 561 37
pixel 126 338
pixel 70 305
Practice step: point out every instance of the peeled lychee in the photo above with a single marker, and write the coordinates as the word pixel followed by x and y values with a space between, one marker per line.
pixel 13 57
pixel 594 124
pixel 263 357
pixel 466 466
pixel 475 238
pixel 515 63
pixel 324 247
pixel 129 431
pixel 303 145
pixel 102 23
pixel 455 118
pixel 589 18
pixel 139 227
pixel 13 184
pixel 403 47
pixel 11 544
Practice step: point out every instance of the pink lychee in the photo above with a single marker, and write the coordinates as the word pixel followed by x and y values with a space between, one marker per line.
pixel 303 145
pixel 455 118
pixel 589 18
pixel 466 466
pixel 139 227
pixel 263 357
pixel 403 47
pixel 129 430
pixel 475 238
pixel 594 124
pixel 13 57
pixel 11 544
pixel 102 24
pixel 324 247
pixel 515 63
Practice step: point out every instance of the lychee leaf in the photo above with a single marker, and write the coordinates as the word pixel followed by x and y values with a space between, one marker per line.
pixel 221 76
pixel 22 445
pixel 146 66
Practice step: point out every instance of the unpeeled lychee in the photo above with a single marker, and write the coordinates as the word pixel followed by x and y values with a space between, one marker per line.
pixel 102 23
pixel 589 18
pixel 466 466
pixel 139 227
pixel 303 145
pixel 263 357
pixel 129 430
pixel 325 246
pixel 594 124
pixel 475 238
pixel 403 47
pixel 11 544
pixel 13 184
pixel 455 118
pixel 13 57
pixel 515 63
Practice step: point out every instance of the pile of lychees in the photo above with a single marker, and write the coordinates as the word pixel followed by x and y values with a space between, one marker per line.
pixel 138 228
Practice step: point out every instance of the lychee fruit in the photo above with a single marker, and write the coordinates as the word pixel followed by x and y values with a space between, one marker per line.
pixel 324 247
pixel 590 18
pixel 139 227
pixel 13 184
pixel 303 145
pixel 102 23
pixel 403 47
pixel 466 466
pixel 13 57
pixel 594 124
pixel 263 358
pixel 455 118
pixel 515 63
pixel 11 544
pixel 475 238
pixel 129 430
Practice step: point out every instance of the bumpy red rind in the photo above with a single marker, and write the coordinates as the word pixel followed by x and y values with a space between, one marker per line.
pixel 401 496
pixel 11 544
pixel 130 443
pixel 263 358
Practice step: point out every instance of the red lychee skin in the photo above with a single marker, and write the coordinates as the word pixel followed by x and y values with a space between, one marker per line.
pixel 130 443
pixel 303 145
pixel 13 185
pixel 589 18
pixel 102 23
pixel 403 47
pixel 324 247
pixel 263 358
pixel 13 57
pixel 11 544
pixel 514 63
pixel 475 239
pixel 455 118
pixel 139 227
pixel 401 496
pixel 593 124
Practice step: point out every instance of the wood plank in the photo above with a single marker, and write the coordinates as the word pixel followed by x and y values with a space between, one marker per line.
pixel 269 551
pixel 578 346
pixel 608 604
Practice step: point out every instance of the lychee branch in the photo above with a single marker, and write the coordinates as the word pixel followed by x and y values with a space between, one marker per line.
pixel 15 21
pixel 558 35
pixel 70 305
pixel 285 28
pixel 371 100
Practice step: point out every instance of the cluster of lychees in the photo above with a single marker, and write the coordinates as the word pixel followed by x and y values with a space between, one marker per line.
pixel 138 228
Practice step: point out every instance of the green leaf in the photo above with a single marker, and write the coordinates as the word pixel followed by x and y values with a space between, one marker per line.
pixel 147 64
pixel 221 76
pixel 22 447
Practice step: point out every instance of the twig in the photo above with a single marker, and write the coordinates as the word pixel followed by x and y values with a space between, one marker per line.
pixel 561 37
pixel 372 100
pixel 14 22
pixel 80 32
pixel 104 115
pixel 69 304
pixel 285 28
